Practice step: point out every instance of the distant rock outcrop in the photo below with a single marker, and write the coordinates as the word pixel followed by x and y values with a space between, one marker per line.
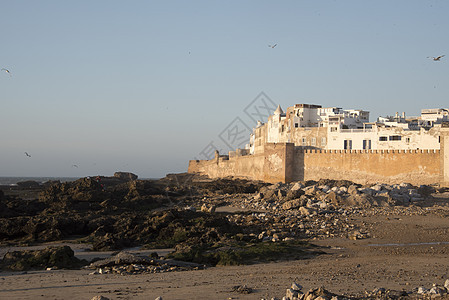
pixel 28 184
pixel 126 176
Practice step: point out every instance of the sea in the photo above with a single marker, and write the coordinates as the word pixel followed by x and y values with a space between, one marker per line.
pixel 13 180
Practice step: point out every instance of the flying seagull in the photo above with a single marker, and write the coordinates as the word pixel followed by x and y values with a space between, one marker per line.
pixel 436 58
pixel 26 153
pixel 272 46
pixel 75 166
pixel 7 71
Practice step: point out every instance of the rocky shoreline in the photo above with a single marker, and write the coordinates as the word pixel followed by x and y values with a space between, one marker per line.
pixel 208 223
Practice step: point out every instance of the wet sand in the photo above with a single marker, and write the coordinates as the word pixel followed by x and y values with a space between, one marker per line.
pixel 405 252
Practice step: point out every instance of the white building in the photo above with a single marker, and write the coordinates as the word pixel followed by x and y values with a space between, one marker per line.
pixel 380 137
pixel 314 127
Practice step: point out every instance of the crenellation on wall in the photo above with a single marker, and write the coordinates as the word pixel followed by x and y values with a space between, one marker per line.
pixel 369 167
pixel 283 162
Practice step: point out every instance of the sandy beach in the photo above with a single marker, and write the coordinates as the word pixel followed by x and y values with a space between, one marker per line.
pixel 404 253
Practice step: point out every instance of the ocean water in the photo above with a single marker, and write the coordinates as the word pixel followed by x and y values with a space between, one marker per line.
pixel 14 180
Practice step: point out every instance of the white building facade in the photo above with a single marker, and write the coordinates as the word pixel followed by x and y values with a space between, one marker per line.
pixel 314 127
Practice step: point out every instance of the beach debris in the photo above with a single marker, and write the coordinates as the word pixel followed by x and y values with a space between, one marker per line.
pixel 125 263
pixel 296 287
pixel 100 298
pixel 242 289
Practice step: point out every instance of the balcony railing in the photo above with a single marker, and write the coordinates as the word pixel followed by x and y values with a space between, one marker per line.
pixel 357 130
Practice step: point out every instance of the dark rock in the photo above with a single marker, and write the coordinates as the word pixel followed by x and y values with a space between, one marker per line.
pixel 100 298
pixel 293 194
pixel 270 195
pixel 28 184
pixel 292 204
pixel 242 289
pixel 281 194
pixel 122 258
pixel 125 176
pixel 54 257
pixel 334 198
pixel 110 242
pixel 319 292
pixel 426 190
pixel 352 189
pixel 49 183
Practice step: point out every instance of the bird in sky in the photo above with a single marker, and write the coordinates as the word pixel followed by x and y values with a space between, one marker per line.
pixel 436 58
pixel 7 71
pixel 272 46
pixel 74 166
pixel 26 153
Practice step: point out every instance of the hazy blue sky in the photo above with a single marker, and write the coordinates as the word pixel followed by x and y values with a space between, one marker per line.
pixel 144 86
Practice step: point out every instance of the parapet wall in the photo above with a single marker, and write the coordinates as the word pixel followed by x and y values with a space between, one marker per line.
pixel 268 166
pixel 387 166
pixel 250 167
pixel 283 162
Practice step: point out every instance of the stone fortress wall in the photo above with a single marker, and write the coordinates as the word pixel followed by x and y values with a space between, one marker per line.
pixel 370 166
pixel 309 142
pixel 285 162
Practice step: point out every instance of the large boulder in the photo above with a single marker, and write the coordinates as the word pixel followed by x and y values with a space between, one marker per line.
pixel 28 184
pixel 125 176
pixel 50 257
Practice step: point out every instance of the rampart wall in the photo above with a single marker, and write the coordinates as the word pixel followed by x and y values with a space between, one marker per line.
pixel 267 166
pixel 386 166
pixel 283 162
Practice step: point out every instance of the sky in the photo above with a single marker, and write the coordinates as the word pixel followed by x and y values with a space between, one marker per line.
pixel 144 86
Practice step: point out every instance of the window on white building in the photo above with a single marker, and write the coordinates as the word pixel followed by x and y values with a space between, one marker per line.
pixel 304 141
pixel 296 125
pixel 383 138
pixel 333 129
pixel 323 141
pixel 407 140
pixel 313 142
pixel 366 144
pixel 347 145
pixel 395 137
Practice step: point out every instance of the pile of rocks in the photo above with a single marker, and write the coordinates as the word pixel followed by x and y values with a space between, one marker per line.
pixel 309 221
pixel 319 209
pixel 435 291
pixel 329 194
pixel 125 263
pixel 295 292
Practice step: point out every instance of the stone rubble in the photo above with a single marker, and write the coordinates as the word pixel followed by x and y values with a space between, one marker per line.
pixel 125 263
pixel 296 292
pixel 316 210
